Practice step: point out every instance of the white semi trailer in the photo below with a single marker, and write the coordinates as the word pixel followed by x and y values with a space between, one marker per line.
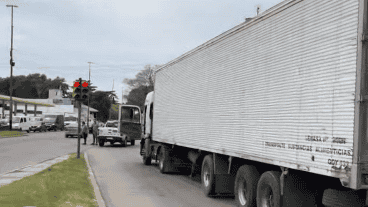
pixel 273 110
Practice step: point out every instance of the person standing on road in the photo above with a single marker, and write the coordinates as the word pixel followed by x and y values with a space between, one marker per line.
pixel 95 131
pixel 84 132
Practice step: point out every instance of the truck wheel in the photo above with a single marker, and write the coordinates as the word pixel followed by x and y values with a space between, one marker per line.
pixel 342 198
pixel 208 176
pixel 147 159
pixel 132 142
pixel 164 160
pixel 246 186
pixel 27 131
pixel 268 189
pixel 101 143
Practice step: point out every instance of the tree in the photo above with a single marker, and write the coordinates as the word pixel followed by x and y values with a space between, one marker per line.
pixel 141 85
pixel 143 78
pixel 137 96
pixel 102 101
pixel 32 86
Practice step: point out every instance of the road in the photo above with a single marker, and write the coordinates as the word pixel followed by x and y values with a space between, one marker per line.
pixel 125 181
pixel 119 171
pixel 18 152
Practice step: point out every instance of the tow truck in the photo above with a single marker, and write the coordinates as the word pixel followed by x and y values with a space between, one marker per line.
pixel 126 129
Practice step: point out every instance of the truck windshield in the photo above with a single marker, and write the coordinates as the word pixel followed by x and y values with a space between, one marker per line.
pixel 16 119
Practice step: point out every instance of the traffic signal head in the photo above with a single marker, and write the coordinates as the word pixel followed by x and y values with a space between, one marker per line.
pixel 85 91
pixel 77 90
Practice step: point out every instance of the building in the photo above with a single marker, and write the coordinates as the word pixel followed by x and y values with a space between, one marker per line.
pixel 55 104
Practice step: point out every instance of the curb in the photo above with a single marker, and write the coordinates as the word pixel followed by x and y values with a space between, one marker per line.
pixel 100 201
pixel 19 169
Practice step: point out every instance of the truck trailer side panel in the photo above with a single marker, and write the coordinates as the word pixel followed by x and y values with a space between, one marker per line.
pixel 279 89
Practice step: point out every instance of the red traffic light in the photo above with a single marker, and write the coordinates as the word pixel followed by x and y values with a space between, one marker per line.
pixel 85 84
pixel 76 84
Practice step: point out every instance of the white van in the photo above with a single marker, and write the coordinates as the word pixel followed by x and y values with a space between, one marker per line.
pixel 22 123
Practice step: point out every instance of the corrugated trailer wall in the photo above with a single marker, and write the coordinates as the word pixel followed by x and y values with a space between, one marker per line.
pixel 279 89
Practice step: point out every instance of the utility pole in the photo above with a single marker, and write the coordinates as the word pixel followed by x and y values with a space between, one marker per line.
pixel 89 83
pixel 11 71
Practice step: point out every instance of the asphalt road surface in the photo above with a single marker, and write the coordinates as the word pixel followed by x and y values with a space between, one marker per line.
pixel 125 181
pixel 119 171
pixel 34 147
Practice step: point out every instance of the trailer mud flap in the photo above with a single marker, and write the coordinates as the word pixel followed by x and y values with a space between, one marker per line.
pixel 224 184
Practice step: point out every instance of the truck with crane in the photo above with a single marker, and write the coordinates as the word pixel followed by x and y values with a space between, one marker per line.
pixel 273 110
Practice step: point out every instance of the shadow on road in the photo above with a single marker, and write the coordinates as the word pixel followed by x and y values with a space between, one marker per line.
pixel 117 146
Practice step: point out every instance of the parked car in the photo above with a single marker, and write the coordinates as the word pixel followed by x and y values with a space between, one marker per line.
pixel 71 130
pixel 37 124
pixel 4 124
pixel 40 128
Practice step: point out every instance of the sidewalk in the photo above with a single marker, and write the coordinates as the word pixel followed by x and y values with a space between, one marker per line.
pixel 18 174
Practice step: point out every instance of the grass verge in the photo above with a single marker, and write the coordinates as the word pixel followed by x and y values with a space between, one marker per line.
pixel 11 134
pixel 65 184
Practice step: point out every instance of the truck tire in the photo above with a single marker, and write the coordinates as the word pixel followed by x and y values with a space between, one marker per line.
pixel 268 190
pixel 246 186
pixel 27 131
pixel 147 159
pixel 164 160
pixel 132 142
pixel 101 143
pixel 208 176
pixel 342 198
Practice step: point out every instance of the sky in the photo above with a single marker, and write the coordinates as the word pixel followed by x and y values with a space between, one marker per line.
pixel 60 37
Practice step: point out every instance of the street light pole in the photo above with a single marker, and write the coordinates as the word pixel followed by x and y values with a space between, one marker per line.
pixel 89 83
pixel 11 70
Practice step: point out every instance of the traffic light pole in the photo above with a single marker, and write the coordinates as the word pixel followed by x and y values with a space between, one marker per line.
pixel 79 123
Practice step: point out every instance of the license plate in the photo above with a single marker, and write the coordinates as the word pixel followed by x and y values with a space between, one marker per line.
pixel 109 138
